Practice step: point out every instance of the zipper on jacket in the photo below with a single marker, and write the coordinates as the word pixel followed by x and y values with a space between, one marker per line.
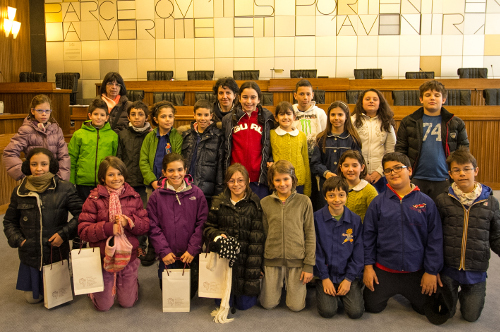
pixel 402 235
pixel 283 229
pixel 177 196
pixel 96 153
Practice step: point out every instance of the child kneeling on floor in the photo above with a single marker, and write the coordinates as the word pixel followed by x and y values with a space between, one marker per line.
pixel 339 253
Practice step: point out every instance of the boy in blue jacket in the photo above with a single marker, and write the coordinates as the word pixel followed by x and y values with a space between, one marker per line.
pixel 339 253
pixel 403 241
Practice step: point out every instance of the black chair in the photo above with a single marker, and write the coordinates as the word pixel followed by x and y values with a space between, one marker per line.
pixel 176 98
pixel 205 95
pixel 200 75
pixel 267 99
pixel 458 97
pixel 30 76
pixel 68 81
pixel 491 96
pixel 368 74
pixel 419 75
pixel 135 95
pixel 246 75
pixel 406 97
pixel 352 96
pixel 303 73
pixel 472 72
pixel 160 75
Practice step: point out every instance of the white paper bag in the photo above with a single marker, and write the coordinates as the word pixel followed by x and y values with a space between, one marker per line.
pixel 56 284
pixel 211 278
pixel 87 270
pixel 176 290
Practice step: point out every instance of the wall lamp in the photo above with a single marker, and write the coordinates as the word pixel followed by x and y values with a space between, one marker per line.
pixel 9 24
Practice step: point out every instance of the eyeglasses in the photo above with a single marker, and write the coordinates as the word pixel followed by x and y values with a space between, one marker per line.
pixel 395 169
pixel 113 84
pixel 456 171
pixel 239 181
pixel 42 111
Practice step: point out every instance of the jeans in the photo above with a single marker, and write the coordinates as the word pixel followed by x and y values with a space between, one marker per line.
pixel 471 298
pixel 353 300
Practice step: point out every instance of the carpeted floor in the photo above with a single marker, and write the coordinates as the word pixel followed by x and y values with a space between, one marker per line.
pixel 147 315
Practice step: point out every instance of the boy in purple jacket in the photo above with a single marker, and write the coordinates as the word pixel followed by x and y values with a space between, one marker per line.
pixel 177 213
pixel 403 241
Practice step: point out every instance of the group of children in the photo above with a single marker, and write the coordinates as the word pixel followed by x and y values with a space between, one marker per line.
pixel 368 231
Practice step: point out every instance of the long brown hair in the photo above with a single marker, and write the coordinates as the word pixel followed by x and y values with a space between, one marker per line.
pixel 347 125
pixel 237 167
pixel 384 111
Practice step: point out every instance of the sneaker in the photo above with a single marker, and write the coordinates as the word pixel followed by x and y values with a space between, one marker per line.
pixel 149 258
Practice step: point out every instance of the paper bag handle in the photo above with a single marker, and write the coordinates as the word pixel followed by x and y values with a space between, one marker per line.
pixel 60 254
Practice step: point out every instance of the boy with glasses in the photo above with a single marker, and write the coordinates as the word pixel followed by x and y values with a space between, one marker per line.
pixel 403 241
pixel 471 226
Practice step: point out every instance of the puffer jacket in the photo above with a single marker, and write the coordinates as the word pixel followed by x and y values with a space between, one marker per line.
pixel 266 120
pixel 469 233
pixel 36 217
pixel 30 136
pixel 208 172
pixel 95 227
pixel 410 135
pixel 244 222
pixel 118 117
pixel 87 148
pixel 129 151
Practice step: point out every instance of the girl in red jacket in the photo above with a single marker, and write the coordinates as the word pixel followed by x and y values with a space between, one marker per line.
pixel 113 208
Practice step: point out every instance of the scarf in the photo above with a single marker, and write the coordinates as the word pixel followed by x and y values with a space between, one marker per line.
pixel 110 102
pixel 39 183
pixel 115 208
pixel 467 198
pixel 147 127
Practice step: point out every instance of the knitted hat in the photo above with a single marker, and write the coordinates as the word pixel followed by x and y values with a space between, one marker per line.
pixel 439 306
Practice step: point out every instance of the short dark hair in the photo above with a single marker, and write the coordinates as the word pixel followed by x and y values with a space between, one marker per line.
pixel 157 107
pixel 335 182
pixel 353 154
pixel 461 156
pixel 138 105
pixel 226 82
pixel 282 167
pixel 53 163
pixel 303 82
pixel 111 77
pixel 203 103
pixel 396 156
pixel 171 157
pixel 111 161
pixel 433 85
pixel 251 85
pixel 237 167
pixel 282 107
pixel 98 103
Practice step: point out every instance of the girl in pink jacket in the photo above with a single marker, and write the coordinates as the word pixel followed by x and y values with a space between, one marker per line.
pixel 39 130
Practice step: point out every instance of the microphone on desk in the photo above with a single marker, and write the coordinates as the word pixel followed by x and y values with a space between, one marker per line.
pixel 492 72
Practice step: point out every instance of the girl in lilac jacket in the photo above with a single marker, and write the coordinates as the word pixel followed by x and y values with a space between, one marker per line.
pixel 39 130
pixel 177 213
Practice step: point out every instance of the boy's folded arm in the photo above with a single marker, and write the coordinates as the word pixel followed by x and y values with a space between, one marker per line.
pixel 433 259
pixel 370 235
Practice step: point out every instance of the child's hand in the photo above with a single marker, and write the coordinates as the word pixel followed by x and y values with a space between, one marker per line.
pixel 305 277
pixel 329 175
pixel 154 184
pixel 187 258
pixel 344 287
pixel 374 177
pixel 169 259
pixel 429 284
pixel 121 218
pixel 22 243
pixel 117 229
pixel 369 276
pixel 56 240
pixel 269 164
pixel 328 287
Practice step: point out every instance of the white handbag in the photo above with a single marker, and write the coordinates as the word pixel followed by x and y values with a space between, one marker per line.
pixel 176 290
pixel 56 283
pixel 87 270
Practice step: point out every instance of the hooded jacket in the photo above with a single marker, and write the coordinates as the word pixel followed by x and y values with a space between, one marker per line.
pixel 30 136
pixel 95 227
pixel 469 232
pixel 87 148
pixel 129 151
pixel 177 220
pixel 410 135
pixel 35 217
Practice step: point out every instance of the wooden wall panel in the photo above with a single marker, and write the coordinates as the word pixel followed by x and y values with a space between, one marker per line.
pixel 15 54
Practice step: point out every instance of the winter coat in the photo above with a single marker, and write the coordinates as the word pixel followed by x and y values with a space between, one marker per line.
pixel 148 153
pixel 36 217
pixel 87 148
pixel 403 234
pixel 177 220
pixel 410 135
pixel 30 136
pixel 118 116
pixel 208 177
pixel 95 227
pixel 266 120
pixel 129 151
pixel 469 232
pixel 244 222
